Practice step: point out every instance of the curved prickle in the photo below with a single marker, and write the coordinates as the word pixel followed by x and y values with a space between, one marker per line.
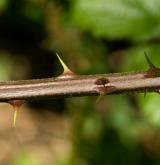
pixel 16 106
pixel 151 65
pixel 66 70
pixel 153 70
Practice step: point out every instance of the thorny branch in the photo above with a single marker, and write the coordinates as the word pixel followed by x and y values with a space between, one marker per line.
pixel 69 84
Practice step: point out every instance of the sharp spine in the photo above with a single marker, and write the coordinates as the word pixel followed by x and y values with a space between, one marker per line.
pixel 66 71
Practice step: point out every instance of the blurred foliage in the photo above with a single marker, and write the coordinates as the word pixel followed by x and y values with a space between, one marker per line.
pixel 135 20
pixel 23 159
pixel 92 37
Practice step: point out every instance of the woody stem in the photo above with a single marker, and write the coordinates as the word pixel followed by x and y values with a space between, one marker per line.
pixel 78 85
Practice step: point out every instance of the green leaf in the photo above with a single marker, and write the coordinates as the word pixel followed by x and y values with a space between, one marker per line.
pixel 119 19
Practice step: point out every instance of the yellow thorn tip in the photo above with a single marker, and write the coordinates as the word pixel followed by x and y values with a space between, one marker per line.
pixel 65 68
pixel 15 117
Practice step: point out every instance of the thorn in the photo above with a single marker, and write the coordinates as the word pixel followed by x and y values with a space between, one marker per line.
pixel 66 71
pixel 15 117
pixel 100 96
pixel 16 106
pixel 153 70
pixel 151 65
pixel 104 91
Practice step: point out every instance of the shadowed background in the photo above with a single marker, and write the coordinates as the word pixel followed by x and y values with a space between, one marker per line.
pixel 92 37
